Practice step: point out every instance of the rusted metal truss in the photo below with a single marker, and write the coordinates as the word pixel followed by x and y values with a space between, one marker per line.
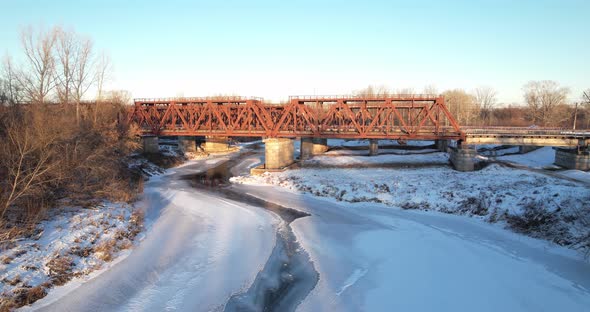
pixel 390 117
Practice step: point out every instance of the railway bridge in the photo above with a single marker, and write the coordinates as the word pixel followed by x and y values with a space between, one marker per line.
pixel 315 119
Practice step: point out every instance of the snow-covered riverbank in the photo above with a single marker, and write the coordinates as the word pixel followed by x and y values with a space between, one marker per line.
pixel 372 255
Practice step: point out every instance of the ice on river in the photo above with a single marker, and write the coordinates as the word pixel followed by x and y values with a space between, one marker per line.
pixel 197 253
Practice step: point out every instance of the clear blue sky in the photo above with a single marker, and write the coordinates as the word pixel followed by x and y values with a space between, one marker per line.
pixel 279 48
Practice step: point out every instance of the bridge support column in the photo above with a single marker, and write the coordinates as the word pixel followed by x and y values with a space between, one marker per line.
pixel 187 144
pixel 373 147
pixel 523 149
pixel 441 145
pixel 150 144
pixel 313 146
pixel 463 157
pixel 216 144
pixel 278 153
pixel 572 158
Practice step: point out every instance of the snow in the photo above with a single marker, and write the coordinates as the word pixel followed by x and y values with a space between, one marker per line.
pixel 195 253
pixel 365 143
pixel 540 158
pixel 577 175
pixel 489 193
pixel 343 158
pixel 70 233
pixel 373 256
pixel 393 236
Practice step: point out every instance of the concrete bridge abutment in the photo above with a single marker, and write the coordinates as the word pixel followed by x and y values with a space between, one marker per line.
pixel 463 157
pixel 373 147
pixel 187 144
pixel 150 144
pixel 573 158
pixel 441 145
pixel 278 153
pixel 214 144
pixel 313 146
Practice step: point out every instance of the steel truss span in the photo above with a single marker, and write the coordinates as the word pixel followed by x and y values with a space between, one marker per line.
pixel 422 117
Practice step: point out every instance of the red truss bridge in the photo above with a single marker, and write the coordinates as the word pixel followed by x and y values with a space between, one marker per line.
pixel 402 117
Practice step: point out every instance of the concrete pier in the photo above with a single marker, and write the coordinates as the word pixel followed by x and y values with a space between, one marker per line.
pixel 150 144
pixel 278 153
pixel 216 144
pixel 373 147
pixel 523 149
pixel 441 145
pixel 572 158
pixel 187 144
pixel 463 157
pixel 313 146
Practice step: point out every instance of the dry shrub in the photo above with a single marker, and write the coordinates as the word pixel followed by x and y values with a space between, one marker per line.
pixel 60 269
pixel 22 296
pixel 6 259
pixel 46 155
pixel 104 250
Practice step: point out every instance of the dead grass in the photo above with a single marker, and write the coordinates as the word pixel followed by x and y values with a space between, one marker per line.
pixel 105 250
pixel 60 269
pixel 21 296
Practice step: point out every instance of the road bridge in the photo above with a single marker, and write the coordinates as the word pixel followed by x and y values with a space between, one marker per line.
pixel 318 118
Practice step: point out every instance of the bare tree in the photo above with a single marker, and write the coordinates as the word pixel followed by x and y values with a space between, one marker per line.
pixel 66 47
pixel 485 99
pixel 405 91
pixel 38 80
pixel 461 105
pixel 103 72
pixel 542 97
pixel 586 104
pixel 430 89
pixel 12 89
pixel 84 76
pixel 27 161
pixel 373 91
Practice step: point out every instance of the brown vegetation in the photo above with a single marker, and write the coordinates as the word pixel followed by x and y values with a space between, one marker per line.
pixel 46 156
pixel 54 145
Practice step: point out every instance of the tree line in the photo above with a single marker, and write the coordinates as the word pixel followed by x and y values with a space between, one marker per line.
pixel 545 104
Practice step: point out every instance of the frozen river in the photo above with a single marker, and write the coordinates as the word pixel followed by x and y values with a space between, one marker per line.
pixel 213 251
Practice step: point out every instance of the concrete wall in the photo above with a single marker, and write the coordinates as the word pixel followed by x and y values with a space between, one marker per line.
pixel 441 145
pixel 373 147
pixel 536 141
pixel 523 149
pixel 216 144
pixel 187 144
pixel 278 153
pixel 150 144
pixel 463 158
pixel 571 159
pixel 313 146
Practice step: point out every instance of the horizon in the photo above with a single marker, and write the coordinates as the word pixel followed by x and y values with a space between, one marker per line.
pixel 277 50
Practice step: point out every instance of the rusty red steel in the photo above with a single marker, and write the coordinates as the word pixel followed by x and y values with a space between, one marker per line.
pixel 403 117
